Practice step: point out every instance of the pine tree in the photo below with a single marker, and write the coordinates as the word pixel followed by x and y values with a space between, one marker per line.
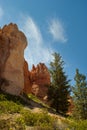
pixel 59 90
pixel 80 96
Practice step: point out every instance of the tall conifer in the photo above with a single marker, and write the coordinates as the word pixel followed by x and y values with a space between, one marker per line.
pixel 59 90
pixel 80 96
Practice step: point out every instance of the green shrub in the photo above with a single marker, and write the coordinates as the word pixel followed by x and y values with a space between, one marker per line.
pixel 9 97
pixel 34 98
pixel 75 124
pixel 20 122
pixel 2 97
pixel 29 117
pixel 9 107
pixel 37 119
pixel 79 125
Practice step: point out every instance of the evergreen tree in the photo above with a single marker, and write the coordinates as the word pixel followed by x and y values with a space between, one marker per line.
pixel 80 96
pixel 59 90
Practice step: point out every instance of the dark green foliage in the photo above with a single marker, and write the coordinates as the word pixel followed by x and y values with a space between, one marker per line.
pixel 80 96
pixel 9 97
pixel 10 103
pixel 59 90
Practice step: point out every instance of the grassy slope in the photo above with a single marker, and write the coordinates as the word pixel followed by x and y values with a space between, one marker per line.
pixel 21 114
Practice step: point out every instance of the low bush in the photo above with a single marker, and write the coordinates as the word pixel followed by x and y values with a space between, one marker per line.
pixel 9 107
pixel 78 125
pixel 34 98
pixel 9 97
pixel 75 124
pixel 37 119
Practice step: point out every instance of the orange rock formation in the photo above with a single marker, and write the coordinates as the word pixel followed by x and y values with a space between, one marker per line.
pixel 14 74
pixel 37 80
pixel 12 45
pixel 27 80
pixel 40 78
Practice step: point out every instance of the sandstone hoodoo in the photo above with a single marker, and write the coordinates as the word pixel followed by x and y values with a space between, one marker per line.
pixel 12 45
pixel 37 80
pixel 40 78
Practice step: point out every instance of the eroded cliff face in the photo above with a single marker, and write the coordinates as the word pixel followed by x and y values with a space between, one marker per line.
pixel 12 45
pixel 27 80
pixel 37 80
pixel 14 74
pixel 40 78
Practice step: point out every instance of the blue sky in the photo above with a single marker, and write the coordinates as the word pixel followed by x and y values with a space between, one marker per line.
pixel 51 26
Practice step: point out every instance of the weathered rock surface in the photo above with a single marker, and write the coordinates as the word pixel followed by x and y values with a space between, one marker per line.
pixel 37 80
pixel 27 80
pixel 40 78
pixel 14 74
pixel 12 45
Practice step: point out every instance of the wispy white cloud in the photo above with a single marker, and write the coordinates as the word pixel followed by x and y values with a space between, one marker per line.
pixel 1 12
pixel 56 29
pixel 32 31
pixel 37 50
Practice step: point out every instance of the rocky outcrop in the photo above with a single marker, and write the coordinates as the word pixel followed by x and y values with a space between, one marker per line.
pixel 37 80
pixel 27 80
pixel 14 74
pixel 4 51
pixel 12 45
pixel 40 78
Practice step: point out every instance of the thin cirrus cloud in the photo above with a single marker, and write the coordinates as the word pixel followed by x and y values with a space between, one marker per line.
pixel 32 31
pixel 1 12
pixel 37 50
pixel 56 29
